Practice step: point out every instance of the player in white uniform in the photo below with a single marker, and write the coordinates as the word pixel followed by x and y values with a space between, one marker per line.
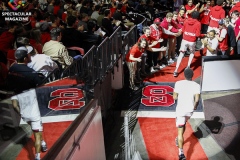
pixel 27 106
pixel 187 92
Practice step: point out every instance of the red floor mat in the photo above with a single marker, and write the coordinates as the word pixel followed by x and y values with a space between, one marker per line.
pixel 52 131
pixel 159 135
pixel 166 74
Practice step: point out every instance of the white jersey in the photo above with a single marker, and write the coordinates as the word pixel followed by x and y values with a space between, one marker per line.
pixel 186 90
pixel 28 104
pixel 214 45
pixel 42 63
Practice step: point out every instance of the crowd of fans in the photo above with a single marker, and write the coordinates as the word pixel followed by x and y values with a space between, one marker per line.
pixel 64 30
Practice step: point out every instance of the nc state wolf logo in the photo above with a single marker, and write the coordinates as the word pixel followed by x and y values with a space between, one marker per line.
pixel 66 99
pixel 157 96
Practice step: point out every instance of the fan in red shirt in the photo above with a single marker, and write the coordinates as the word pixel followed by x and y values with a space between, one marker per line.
pixel 236 7
pixel 7 38
pixel 191 30
pixel 134 56
pixel 205 16
pixel 190 7
pixel 217 13
pixel 222 38
pixel 151 56
pixel 169 24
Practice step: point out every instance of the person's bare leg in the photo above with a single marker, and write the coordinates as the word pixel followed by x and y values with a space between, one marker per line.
pixel 190 59
pixel 38 138
pixel 181 139
pixel 179 60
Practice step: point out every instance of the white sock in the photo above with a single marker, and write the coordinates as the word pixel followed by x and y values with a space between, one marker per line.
pixel 38 155
pixel 180 151
pixel 43 142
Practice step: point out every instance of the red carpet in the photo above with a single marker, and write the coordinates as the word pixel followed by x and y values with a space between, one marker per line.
pixel 52 131
pixel 159 135
pixel 166 74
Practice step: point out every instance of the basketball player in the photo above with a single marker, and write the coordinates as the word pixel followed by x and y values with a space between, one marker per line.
pixel 27 106
pixel 188 98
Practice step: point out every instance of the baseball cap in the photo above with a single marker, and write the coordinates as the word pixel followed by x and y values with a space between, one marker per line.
pixel 157 21
pixel 22 52
pixel 221 22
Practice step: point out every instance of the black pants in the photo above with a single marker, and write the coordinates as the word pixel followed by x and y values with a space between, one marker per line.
pixel 204 28
pixel 152 58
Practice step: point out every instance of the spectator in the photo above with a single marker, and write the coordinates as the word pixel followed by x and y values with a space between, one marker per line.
pixel 95 14
pixel 55 22
pixel 237 30
pixel 7 38
pixel 56 7
pixel 91 36
pixel 84 21
pixel 100 17
pixel 222 38
pixel 22 70
pixel 85 7
pixel 71 37
pixel 45 36
pixel 190 7
pixel 211 43
pixel 231 37
pixel 35 40
pixel 152 42
pixel 168 24
pixel 205 16
pixel 134 56
pixel 106 23
pixel 56 50
pixel 234 8
pixel 41 63
pixel 50 6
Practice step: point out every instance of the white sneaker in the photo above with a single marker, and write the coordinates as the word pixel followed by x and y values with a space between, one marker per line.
pixel 152 70
pixel 162 66
pixel 170 61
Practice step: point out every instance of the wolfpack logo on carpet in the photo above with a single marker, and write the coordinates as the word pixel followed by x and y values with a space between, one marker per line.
pixel 158 96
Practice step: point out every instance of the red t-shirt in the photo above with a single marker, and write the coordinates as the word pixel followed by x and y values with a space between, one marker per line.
pixel 149 39
pixel 55 10
pixel 181 19
pixel 135 52
pixel 36 45
pixel 6 41
pixel 205 15
pixel 189 8
pixel 45 37
pixel 64 16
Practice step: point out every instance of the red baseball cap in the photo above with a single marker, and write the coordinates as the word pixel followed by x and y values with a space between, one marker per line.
pixel 157 21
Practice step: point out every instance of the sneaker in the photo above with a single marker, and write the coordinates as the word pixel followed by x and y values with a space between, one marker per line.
pixel 175 74
pixel 152 70
pixel 182 157
pixel 37 158
pixel 176 141
pixel 44 148
pixel 134 88
pixel 170 61
pixel 187 67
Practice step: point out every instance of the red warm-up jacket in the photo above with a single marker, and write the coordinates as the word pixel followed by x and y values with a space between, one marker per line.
pixel 191 29
pixel 216 14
